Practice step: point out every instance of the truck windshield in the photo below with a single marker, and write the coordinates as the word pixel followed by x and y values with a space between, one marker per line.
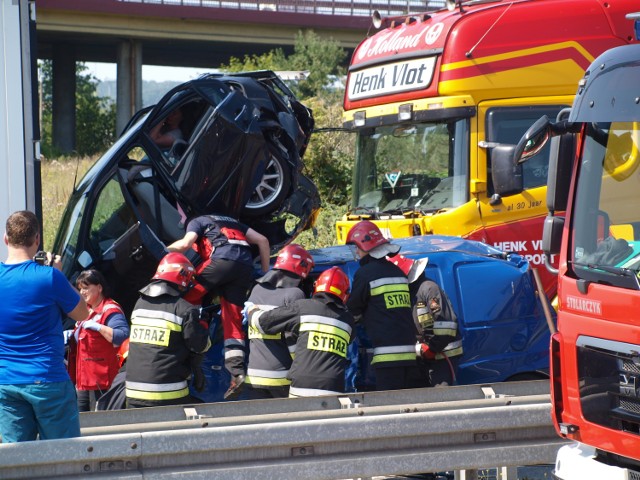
pixel 608 249
pixel 419 167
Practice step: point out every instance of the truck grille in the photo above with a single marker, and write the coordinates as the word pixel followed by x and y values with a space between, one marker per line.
pixel 609 374
pixel 632 406
pixel 630 367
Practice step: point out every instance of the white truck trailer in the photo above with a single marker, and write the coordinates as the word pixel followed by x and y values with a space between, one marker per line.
pixel 19 131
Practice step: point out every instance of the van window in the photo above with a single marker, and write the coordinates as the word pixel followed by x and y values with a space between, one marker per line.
pixel 507 125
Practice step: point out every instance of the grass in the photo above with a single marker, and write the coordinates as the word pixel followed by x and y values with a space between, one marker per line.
pixel 57 184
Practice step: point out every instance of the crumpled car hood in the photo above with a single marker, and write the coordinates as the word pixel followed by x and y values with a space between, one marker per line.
pixel 245 158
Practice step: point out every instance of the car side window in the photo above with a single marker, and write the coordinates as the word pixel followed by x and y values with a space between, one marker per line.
pixel 112 217
pixel 506 125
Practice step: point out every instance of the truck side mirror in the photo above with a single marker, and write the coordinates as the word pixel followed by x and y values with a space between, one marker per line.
pixel 562 151
pixel 561 156
pixel 505 172
pixel 552 235
pixel 551 240
pixel 533 140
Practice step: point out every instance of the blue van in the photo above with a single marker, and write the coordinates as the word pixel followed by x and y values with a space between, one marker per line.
pixel 504 330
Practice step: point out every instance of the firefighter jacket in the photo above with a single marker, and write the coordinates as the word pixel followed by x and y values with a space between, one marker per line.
pixel 270 354
pixel 165 333
pixel 221 237
pixel 94 363
pixel 380 300
pixel 436 321
pixel 324 328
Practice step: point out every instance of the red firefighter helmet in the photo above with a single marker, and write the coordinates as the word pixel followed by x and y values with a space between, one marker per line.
pixel 366 236
pixel 333 281
pixel 295 259
pixel 413 269
pixel 175 268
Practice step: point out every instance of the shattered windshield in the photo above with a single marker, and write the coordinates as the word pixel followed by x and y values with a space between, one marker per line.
pixel 606 231
pixel 419 167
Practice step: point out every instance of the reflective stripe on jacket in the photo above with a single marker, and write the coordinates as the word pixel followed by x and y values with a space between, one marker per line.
pixel 165 333
pixel 269 354
pixel 380 296
pixel 436 321
pixel 393 354
pixel 156 392
pixel 324 329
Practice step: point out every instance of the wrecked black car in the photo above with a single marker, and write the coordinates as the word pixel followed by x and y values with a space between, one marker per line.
pixel 236 150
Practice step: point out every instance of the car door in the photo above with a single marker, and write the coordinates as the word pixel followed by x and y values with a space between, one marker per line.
pixel 222 154
pixel 118 242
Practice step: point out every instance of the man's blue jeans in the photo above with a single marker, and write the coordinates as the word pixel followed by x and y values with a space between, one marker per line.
pixel 47 409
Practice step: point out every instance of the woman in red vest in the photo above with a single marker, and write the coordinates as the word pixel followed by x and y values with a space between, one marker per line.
pixel 96 341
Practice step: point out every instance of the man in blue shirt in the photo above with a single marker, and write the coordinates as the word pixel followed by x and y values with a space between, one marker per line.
pixel 36 393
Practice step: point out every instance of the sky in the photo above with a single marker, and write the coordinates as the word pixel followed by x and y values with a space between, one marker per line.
pixel 107 71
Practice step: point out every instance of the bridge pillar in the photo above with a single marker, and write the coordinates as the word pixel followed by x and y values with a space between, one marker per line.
pixel 63 100
pixel 129 82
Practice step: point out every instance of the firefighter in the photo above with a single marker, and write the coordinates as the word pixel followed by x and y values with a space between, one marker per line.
pixel 224 245
pixel 381 301
pixel 270 355
pixel 167 338
pixel 323 326
pixel 439 344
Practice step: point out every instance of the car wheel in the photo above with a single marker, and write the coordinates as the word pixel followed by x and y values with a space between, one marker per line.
pixel 271 190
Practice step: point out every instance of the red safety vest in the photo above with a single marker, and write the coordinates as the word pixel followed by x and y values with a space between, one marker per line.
pixel 93 361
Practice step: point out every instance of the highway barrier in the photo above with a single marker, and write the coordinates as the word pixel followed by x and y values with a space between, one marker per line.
pixel 334 437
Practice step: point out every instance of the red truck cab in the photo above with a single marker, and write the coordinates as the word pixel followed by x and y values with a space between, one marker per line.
pixel 595 353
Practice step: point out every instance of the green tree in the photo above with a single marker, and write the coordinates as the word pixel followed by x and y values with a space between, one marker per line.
pixel 272 60
pixel 95 116
pixel 322 57
pixel 45 68
pixel 329 157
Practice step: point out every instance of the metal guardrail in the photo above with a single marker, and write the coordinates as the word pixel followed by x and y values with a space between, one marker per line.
pixel 316 7
pixel 361 435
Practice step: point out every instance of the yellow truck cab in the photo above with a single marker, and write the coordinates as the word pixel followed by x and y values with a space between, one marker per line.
pixel 430 96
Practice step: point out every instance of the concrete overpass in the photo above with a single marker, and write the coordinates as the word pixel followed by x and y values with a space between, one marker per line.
pixel 193 33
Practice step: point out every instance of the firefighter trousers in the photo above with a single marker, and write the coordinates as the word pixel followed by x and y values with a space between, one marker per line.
pixel 230 281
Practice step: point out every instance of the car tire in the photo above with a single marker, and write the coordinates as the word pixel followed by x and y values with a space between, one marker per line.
pixel 272 189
